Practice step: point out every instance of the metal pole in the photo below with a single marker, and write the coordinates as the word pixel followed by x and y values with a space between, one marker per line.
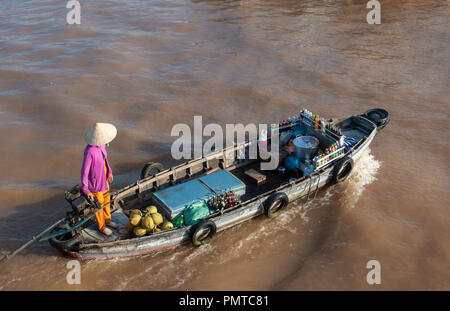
pixel 37 237
pixel 33 240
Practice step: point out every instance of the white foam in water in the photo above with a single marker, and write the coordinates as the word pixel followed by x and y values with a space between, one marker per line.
pixel 282 222
pixel 362 175
pixel 203 250
pixel 299 208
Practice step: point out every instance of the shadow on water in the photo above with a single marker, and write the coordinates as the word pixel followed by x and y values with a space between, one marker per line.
pixel 321 220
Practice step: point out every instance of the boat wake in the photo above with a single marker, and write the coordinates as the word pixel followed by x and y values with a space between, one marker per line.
pixel 363 174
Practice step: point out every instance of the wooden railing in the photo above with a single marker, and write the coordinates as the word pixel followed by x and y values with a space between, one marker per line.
pixel 227 158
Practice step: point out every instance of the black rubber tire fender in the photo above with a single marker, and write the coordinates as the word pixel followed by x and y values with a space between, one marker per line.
pixel 382 126
pixel 378 116
pixel 275 204
pixel 197 238
pixel 343 169
pixel 149 167
pixel 67 241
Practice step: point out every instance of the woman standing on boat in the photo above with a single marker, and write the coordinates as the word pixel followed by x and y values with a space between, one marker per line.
pixel 96 174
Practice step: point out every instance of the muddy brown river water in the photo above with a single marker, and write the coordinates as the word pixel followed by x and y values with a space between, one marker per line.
pixel 147 65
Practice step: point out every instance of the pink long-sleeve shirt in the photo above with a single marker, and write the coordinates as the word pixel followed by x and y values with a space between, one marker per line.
pixel 93 177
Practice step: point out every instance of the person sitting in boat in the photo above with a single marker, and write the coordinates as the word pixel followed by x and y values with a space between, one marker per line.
pixel 96 174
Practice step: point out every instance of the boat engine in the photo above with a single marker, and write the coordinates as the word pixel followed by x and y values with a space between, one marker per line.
pixel 80 204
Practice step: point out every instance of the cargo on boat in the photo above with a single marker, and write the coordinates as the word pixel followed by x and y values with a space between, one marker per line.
pixel 204 196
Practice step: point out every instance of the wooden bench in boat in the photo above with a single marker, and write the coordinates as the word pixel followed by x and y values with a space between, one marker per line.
pixel 257 177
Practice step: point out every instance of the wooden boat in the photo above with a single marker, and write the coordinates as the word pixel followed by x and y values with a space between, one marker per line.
pixel 354 134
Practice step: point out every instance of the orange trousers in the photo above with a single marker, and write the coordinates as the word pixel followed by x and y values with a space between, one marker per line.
pixel 104 215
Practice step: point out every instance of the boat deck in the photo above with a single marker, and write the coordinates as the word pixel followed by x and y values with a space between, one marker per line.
pixel 273 180
pixel 92 235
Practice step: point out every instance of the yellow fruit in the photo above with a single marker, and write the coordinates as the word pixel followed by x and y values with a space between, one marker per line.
pixel 135 220
pixel 129 227
pixel 157 230
pixel 157 218
pixel 167 225
pixel 147 222
pixel 153 209
pixel 135 212
pixel 150 209
pixel 138 231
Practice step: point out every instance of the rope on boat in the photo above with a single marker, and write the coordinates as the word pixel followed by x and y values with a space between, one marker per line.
pixel 317 187
pixel 309 189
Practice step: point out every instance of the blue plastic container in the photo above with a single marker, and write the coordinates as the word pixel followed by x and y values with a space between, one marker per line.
pixel 291 162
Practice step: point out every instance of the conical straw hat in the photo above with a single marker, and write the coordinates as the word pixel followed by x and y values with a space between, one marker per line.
pixel 100 134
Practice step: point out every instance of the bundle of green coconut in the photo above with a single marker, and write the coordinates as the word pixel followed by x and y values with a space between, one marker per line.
pixel 147 221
